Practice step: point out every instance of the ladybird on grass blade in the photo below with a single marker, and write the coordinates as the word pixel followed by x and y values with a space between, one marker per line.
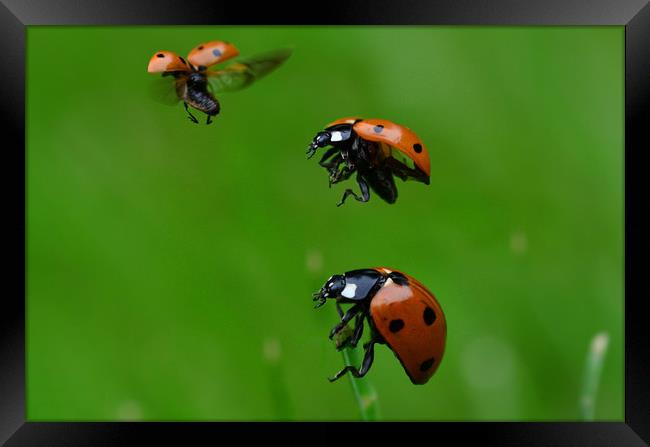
pixel 376 150
pixel 190 80
pixel 401 313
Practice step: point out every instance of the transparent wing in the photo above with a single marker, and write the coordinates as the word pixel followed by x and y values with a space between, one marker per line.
pixel 166 89
pixel 402 166
pixel 244 72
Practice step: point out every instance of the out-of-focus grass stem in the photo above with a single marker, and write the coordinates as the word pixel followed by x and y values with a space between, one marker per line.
pixel 593 368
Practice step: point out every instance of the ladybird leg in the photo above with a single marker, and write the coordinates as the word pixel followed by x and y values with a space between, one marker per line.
pixel 356 336
pixel 330 164
pixel 358 332
pixel 209 120
pixel 339 310
pixel 365 192
pixel 191 117
pixel 368 358
pixel 345 319
pixel 332 167
pixel 339 176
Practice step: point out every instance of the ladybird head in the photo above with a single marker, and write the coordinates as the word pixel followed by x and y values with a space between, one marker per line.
pixel 330 136
pixel 321 139
pixel 332 289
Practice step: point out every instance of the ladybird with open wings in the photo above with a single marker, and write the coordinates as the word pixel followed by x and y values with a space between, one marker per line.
pixel 193 83
pixel 376 150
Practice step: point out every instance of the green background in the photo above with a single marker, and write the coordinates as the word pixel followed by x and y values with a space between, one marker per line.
pixel 170 265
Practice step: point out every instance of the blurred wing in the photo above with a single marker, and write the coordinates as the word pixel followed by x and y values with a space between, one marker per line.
pixel 243 73
pixel 167 89
pixel 402 166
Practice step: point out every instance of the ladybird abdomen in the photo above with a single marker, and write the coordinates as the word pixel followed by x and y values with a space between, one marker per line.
pixel 203 101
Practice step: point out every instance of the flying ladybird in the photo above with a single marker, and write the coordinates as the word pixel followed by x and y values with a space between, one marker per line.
pixel 376 150
pixel 401 313
pixel 190 80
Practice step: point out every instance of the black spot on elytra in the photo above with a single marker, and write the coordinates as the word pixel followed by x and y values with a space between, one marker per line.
pixel 201 47
pixel 160 55
pixel 429 316
pixel 396 325
pixel 417 147
pixel 378 128
pixel 427 364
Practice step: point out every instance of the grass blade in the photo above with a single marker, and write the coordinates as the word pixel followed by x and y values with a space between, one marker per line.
pixel 363 390
pixel 593 368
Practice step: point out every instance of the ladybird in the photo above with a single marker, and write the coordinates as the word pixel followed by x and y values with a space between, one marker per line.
pixel 190 80
pixel 377 150
pixel 401 313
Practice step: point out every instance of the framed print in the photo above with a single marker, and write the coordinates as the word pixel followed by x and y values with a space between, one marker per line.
pixel 214 209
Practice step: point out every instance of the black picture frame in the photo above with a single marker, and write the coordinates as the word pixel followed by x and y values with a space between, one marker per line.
pixel 15 15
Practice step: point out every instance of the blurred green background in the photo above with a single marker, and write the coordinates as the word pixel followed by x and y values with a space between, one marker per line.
pixel 170 265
